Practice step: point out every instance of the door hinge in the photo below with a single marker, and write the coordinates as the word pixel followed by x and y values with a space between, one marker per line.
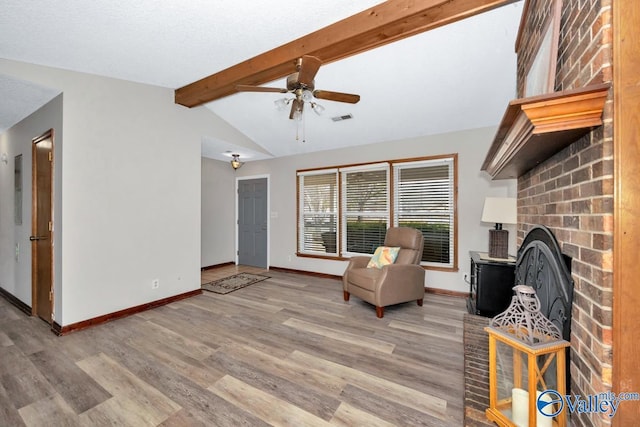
pixel 237 252
pixel 50 226
pixel 51 295
pixel 50 156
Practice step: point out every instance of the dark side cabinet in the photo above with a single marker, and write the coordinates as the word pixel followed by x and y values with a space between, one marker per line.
pixel 491 285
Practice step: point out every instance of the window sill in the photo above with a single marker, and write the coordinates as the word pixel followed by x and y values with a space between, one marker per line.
pixel 327 257
pixel 342 258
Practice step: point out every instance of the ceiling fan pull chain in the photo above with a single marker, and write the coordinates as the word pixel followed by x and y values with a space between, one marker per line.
pixel 304 128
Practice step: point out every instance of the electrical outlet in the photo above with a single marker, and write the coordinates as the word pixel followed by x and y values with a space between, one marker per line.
pixel 155 283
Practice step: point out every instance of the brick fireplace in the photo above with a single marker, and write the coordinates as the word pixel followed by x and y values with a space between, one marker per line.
pixel 570 192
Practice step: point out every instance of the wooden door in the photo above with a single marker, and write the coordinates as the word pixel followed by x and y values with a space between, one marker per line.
pixel 42 227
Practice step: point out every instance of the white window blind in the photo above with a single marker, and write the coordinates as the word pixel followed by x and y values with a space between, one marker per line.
pixel 365 208
pixel 424 199
pixel 318 207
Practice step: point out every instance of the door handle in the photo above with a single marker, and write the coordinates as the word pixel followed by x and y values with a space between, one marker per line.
pixel 34 238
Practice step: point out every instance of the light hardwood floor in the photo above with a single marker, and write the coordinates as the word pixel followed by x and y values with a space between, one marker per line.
pixel 285 351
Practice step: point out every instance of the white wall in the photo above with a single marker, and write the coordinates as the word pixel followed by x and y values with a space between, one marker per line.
pixel 128 208
pixel 15 247
pixel 128 194
pixel 473 187
pixel 218 213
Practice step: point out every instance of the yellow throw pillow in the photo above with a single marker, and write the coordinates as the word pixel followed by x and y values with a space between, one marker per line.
pixel 383 255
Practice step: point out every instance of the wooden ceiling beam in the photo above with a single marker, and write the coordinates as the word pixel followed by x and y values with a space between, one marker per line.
pixel 382 24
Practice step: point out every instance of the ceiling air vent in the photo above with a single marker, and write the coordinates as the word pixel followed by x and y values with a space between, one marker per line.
pixel 341 118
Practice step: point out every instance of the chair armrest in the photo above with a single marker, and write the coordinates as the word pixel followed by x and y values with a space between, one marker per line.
pixel 354 262
pixel 400 282
pixel 358 262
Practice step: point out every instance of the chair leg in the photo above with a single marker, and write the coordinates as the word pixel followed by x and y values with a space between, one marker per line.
pixel 380 312
pixel 419 302
pixel 346 295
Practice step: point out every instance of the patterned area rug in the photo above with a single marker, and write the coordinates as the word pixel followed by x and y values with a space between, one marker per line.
pixel 233 283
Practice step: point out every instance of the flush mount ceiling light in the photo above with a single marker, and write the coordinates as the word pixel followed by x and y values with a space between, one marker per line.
pixel 235 161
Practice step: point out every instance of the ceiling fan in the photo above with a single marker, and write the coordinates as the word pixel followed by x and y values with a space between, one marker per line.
pixel 302 85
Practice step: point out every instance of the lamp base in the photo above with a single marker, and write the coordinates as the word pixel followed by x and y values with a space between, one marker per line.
pixel 498 244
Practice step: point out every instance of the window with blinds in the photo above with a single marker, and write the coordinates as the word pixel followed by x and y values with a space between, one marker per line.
pixel 346 211
pixel 424 199
pixel 365 201
pixel 318 207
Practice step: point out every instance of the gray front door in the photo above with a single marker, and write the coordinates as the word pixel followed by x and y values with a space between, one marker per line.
pixel 252 222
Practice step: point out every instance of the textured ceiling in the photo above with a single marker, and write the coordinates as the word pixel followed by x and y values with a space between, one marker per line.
pixel 456 77
pixel 19 99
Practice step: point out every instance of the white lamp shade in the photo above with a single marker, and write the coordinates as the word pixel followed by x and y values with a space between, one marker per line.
pixel 500 210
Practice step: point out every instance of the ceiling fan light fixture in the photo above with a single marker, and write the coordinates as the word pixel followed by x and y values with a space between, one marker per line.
pixel 281 104
pixel 235 161
pixel 317 108
pixel 307 95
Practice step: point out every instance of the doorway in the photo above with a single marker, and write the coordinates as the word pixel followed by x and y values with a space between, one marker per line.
pixel 253 222
pixel 42 227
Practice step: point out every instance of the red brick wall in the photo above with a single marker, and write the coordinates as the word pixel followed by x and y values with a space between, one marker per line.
pixel 572 192
pixel 476 371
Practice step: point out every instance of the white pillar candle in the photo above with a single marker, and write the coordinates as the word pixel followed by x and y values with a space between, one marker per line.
pixel 520 407
pixel 541 419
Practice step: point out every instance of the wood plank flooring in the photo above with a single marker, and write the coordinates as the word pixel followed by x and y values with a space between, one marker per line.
pixel 287 351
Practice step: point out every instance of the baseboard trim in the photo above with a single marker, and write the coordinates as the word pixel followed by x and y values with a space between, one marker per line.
pixel 306 273
pixel 63 330
pixel 211 267
pixel 434 291
pixel 16 302
pixel 446 292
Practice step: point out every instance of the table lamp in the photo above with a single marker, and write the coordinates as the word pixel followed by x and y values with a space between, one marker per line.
pixel 499 210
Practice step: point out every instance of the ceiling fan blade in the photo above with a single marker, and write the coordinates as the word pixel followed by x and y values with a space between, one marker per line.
pixel 336 96
pixel 296 105
pixel 309 66
pixel 249 88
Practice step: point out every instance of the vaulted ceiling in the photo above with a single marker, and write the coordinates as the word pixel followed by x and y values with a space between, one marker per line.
pixel 458 76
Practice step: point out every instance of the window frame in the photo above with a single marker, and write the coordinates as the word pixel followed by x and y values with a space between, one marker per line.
pixel 300 212
pixel 391 202
pixel 451 162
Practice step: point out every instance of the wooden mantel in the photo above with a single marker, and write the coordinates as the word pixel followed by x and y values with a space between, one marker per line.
pixel 534 129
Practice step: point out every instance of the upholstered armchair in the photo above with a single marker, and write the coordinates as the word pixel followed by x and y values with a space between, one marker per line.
pixel 395 283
